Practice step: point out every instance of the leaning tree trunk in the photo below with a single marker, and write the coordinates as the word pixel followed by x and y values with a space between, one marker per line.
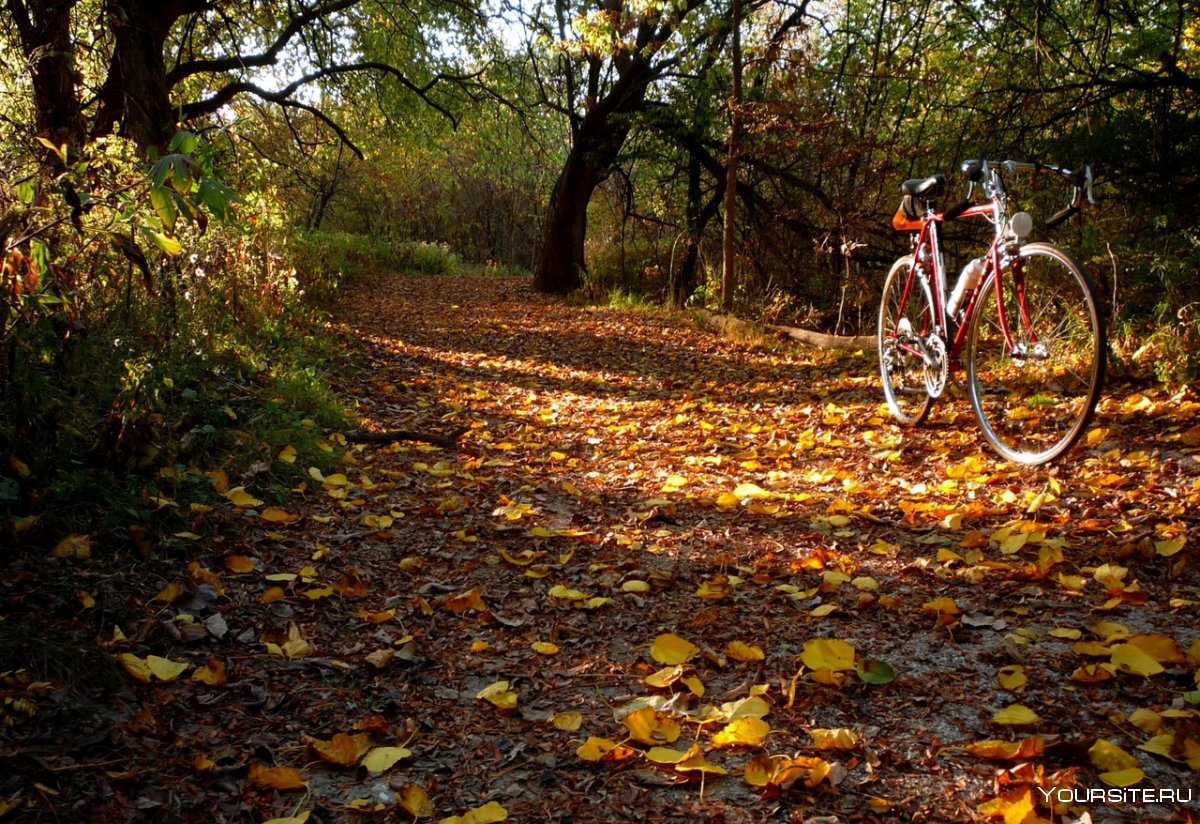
pixel 597 145
pixel 560 262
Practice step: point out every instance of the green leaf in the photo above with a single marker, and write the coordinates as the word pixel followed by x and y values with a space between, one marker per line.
pixel 166 243
pixel 217 198
pixel 184 142
pixel 874 671
pixel 163 201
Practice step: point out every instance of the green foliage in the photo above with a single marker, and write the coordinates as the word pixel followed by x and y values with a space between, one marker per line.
pixel 134 363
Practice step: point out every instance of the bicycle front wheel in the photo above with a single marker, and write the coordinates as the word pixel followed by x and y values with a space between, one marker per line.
pixel 905 318
pixel 1036 356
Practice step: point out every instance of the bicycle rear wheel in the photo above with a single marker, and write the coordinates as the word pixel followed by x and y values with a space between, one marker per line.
pixel 1034 398
pixel 905 313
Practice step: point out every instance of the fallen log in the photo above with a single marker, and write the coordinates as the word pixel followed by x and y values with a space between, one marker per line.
pixel 388 436
pixel 819 340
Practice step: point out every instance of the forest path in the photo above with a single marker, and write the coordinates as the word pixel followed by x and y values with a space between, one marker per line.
pixel 662 576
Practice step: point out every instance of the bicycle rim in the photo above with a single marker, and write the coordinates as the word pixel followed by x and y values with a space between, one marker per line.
pixel 900 364
pixel 1034 399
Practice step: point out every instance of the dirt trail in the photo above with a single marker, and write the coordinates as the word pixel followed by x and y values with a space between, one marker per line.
pixel 623 476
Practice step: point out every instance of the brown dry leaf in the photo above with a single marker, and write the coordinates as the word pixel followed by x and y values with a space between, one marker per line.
pixel 467 601
pixel 350 585
pixel 1023 750
pixel 343 750
pixel 276 778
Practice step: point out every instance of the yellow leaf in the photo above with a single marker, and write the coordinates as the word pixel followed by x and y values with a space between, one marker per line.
pixel 697 763
pixel 567 721
pixel 239 564
pixel 271 595
pixel 238 496
pixel 296 646
pixel 212 673
pixel 1094 673
pixel 1012 678
pixel 649 726
pixel 381 759
pixel 1016 806
pixel 752 707
pixel 804 770
pixel 487 814
pixel 742 732
pixel 1108 757
pixel 278 516
pixel 164 669
pixel 670 649
pixel 1129 657
pixel 1017 714
pixel 415 801
pixel 317 593
pixel 1123 778
pixel 839 738
pixel 300 818
pixel 665 677
pixel 1024 749
pixel 595 748
pixel 499 695
pixel 287 454
pixel 748 490
pixel 276 778
pixel 545 648
pixel 940 606
pixel 1162 648
pixel 137 667
pixel 741 651
pixel 1171 547
pixel 635 586
pixel 564 593
pixel 665 755
pixel 343 750
pixel 828 653
pixel 74 545
pixel 759 770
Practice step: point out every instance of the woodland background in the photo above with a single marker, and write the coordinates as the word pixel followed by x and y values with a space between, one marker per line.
pixel 183 183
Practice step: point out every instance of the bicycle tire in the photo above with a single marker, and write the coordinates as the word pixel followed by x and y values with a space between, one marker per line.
pixel 1033 401
pixel 901 368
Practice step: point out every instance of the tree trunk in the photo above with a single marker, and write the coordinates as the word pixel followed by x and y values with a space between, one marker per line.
pixel 44 27
pixel 597 144
pixel 135 95
pixel 560 261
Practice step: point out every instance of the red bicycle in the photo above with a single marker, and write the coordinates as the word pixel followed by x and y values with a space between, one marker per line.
pixel 1024 320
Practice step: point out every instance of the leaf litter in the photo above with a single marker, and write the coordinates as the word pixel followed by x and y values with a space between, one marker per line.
pixel 663 577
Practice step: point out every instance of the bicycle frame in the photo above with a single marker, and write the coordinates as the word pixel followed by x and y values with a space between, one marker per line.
pixel 926 245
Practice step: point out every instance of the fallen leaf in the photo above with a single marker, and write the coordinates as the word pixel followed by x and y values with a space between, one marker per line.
pixel 671 649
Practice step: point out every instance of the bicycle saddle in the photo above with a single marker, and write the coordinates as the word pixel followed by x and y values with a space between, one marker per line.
pixel 923 187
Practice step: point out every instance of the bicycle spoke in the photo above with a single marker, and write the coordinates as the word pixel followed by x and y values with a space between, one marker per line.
pixel 1035 370
pixel 905 316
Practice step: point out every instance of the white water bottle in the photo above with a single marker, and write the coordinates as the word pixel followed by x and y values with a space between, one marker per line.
pixel 968 280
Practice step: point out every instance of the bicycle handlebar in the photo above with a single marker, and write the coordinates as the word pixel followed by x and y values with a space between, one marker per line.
pixel 1081 182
